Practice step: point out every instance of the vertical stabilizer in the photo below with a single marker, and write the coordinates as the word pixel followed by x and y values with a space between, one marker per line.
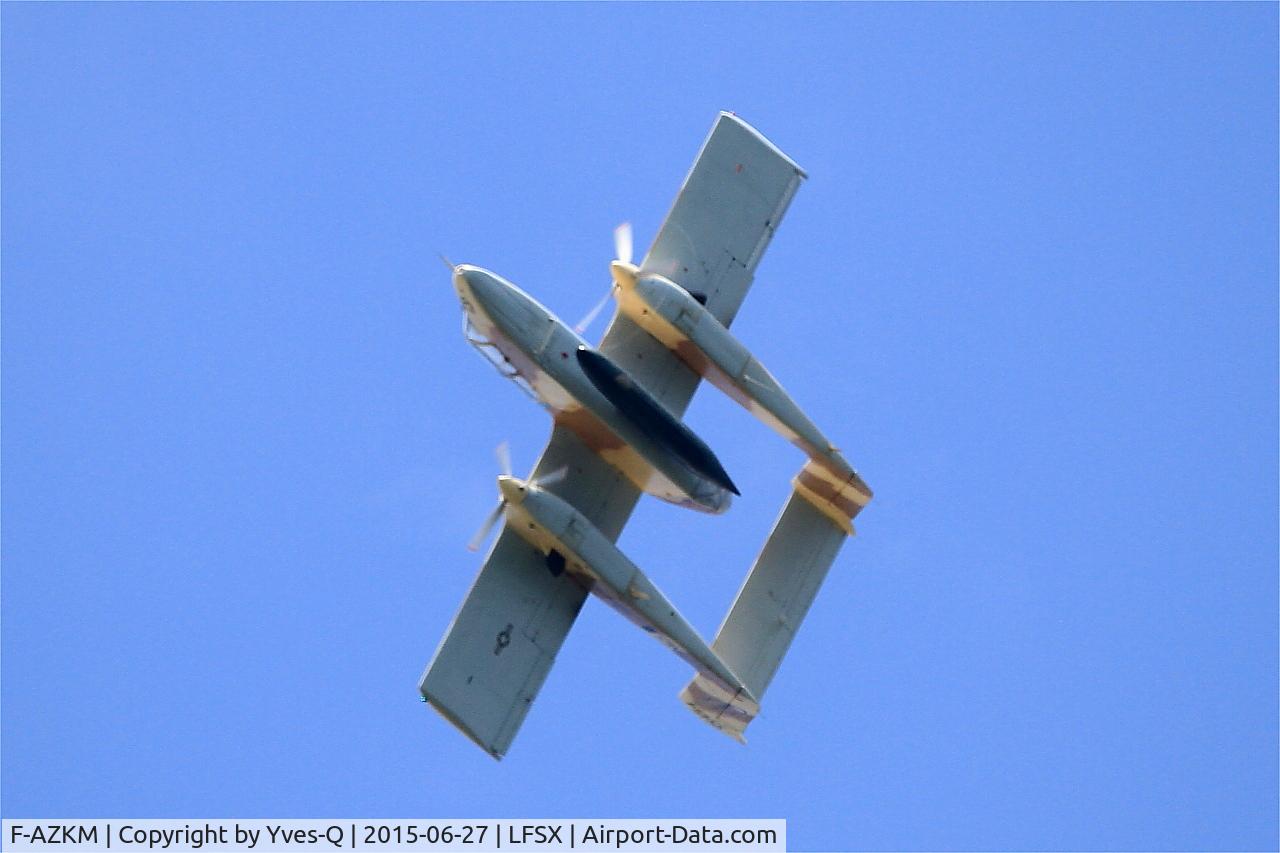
pixel 768 611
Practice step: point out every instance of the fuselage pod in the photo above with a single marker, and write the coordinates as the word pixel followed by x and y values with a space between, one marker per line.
pixel 535 349
pixel 573 544
pixel 678 320
pixel 621 389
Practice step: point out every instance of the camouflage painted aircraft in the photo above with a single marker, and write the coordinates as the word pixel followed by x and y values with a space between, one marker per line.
pixel 618 434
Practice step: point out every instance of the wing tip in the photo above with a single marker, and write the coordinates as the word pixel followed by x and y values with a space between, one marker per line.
pixel 734 118
pixel 495 751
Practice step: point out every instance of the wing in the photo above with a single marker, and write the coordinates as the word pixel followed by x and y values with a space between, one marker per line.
pixel 594 487
pixel 500 647
pixel 710 243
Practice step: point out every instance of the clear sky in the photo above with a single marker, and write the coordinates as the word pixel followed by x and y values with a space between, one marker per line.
pixel 1030 288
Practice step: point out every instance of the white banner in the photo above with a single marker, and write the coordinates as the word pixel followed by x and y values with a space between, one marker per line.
pixel 688 835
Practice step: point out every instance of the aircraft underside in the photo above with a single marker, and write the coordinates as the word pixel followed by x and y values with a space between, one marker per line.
pixel 616 409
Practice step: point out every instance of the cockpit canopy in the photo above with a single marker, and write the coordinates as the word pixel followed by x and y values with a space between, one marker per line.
pixel 493 354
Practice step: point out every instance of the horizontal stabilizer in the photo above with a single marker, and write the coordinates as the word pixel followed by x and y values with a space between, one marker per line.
pixel 767 612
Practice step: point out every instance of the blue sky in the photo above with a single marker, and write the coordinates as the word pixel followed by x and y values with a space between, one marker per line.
pixel 1030 287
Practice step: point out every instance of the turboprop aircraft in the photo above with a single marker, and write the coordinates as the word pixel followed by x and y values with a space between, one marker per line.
pixel 617 434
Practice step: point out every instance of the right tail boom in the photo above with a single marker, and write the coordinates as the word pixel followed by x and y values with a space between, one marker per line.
pixel 681 323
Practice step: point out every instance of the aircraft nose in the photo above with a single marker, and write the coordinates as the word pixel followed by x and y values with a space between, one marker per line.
pixel 465 275
pixel 513 490
pixel 483 286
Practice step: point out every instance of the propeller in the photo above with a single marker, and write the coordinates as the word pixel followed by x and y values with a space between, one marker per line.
pixel 503 454
pixel 622 268
pixel 483 533
pixel 622 244
pixel 586 321
pixel 554 477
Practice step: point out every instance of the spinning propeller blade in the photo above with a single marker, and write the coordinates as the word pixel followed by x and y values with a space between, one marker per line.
pixel 593 313
pixel 622 242
pixel 554 477
pixel 483 533
pixel 503 454
pixel 623 246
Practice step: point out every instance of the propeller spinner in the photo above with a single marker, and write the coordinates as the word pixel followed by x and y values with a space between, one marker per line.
pixel 512 489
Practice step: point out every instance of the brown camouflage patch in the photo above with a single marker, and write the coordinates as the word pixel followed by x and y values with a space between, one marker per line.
pixel 590 429
pixel 847 498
